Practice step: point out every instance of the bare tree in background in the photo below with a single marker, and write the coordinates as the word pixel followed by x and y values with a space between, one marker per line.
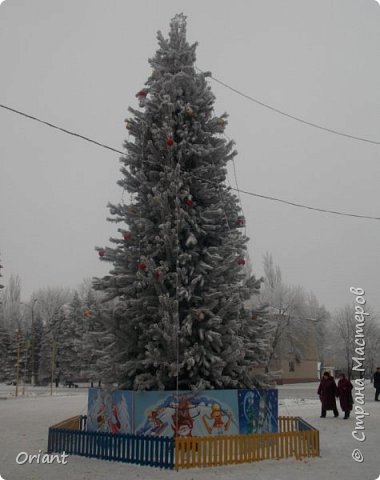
pixel 344 322
pixel 11 304
pixel 291 311
pixel 285 305
pixel 372 351
pixel 322 319
pixel 49 309
pixel 50 302
pixel 343 339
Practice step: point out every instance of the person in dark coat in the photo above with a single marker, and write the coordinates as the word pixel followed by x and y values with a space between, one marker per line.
pixel 376 384
pixel 327 393
pixel 344 393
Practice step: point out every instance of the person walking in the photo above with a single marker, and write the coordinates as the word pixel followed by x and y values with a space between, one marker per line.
pixel 327 393
pixel 344 393
pixel 376 384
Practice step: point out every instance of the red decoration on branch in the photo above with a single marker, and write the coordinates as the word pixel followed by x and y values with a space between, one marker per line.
pixel 142 93
pixel 157 274
pixel 241 261
pixel 101 252
pixel 127 235
pixel 142 266
pixel 240 221
pixel 169 141
pixel 189 202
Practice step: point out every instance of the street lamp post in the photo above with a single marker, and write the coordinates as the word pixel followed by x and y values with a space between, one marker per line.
pixel 17 359
pixel 32 342
pixel 53 354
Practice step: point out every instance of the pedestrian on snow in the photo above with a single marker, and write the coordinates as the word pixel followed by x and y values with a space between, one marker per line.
pixel 376 384
pixel 327 393
pixel 344 393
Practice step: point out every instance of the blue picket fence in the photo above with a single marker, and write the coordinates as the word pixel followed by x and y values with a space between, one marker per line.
pixel 141 450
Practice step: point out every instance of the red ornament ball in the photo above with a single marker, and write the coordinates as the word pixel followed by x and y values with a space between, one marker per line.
pixel 142 266
pixel 157 274
pixel 169 141
pixel 101 252
pixel 240 221
pixel 127 235
pixel 241 261
pixel 189 202
pixel 142 93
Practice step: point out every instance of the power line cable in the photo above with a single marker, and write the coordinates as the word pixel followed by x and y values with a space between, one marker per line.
pixel 266 197
pixel 285 201
pixel 237 184
pixel 288 115
pixel 69 132
pixel 239 196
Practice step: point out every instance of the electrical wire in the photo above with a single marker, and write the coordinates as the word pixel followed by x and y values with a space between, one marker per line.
pixel 266 197
pixel 237 187
pixel 335 212
pixel 289 115
pixel 69 132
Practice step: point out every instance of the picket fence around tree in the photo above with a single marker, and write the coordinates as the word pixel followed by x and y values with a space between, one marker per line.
pixel 184 429
pixel 295 438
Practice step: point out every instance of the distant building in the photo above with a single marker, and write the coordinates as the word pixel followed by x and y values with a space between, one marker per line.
pixel 296 360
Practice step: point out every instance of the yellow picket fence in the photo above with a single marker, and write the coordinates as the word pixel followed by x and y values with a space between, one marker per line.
pixel 73 423
pixel 295 438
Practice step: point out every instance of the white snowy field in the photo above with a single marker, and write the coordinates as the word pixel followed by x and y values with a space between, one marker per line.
pixel 24 424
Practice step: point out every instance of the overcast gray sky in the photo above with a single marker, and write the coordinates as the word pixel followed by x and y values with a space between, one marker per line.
pixel 79 63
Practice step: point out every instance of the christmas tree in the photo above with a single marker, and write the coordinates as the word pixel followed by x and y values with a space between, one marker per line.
pixel 178 282
pixel 1 286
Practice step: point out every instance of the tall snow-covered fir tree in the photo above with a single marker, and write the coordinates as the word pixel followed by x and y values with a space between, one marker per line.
pixel 1 286
pixel 178 262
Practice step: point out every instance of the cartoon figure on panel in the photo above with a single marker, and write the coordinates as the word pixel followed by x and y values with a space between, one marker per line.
pixel 183 421
pixel 221 418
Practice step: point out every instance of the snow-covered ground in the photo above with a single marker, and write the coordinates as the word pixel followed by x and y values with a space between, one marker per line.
pixel 24 426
